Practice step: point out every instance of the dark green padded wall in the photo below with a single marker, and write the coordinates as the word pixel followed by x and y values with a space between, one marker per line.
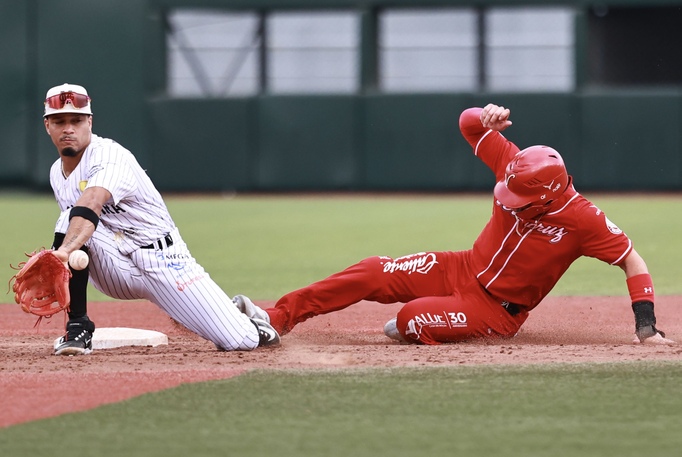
pixel 15 74
pixel 632 141
pixel 611 139
pixel 202 144
pixel 308 142
pixel 98 44
pixel 415 139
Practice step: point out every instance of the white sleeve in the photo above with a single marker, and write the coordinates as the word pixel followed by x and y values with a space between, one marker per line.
pixel 110 168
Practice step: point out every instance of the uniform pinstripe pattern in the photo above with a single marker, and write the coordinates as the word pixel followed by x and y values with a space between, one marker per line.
pixel 137 216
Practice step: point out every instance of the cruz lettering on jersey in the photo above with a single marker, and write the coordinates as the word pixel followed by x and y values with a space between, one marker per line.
pixel 557 233
pixel 413 263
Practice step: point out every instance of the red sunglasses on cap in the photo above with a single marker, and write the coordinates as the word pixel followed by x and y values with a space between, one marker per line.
pixel 58 101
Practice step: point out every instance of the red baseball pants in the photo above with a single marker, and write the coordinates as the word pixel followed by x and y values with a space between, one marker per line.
pixel 443 300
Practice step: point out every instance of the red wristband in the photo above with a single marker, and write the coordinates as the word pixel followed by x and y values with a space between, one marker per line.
pixel 641 288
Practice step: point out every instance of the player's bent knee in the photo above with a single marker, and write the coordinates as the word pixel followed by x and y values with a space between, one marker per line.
pixel 411 327
pixel 431 320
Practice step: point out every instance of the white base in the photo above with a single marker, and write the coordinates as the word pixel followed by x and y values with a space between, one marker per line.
pixel 114 337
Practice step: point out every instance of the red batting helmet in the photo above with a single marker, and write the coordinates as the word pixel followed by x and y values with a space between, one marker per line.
pixel 534 178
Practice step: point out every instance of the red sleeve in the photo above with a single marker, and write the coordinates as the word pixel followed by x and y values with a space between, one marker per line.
pixel 489 146
pixel 602 239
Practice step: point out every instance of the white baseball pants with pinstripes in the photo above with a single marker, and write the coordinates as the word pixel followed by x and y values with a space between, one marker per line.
pixel 172 279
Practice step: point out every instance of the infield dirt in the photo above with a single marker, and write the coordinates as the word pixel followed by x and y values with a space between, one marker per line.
pixel 35 384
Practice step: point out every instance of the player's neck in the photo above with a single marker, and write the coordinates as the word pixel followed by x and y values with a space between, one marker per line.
pixel 69 164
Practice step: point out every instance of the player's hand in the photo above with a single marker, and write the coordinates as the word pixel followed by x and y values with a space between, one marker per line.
pixel 62 255
pixel 495 117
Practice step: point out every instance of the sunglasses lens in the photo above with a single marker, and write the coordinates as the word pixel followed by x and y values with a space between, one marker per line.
pixel 79 100
pixel 54 102
pixel 58 101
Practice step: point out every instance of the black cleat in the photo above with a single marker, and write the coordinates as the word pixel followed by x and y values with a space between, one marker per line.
pixel 267 334
pixel 78 338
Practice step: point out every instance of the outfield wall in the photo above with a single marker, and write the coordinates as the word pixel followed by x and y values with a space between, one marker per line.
pixel 613 137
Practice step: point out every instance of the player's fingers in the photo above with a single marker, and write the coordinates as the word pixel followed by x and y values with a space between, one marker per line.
pixel 486 114
pixel 504 114
pixel 498 116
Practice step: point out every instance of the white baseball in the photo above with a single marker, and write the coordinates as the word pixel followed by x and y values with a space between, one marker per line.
pixel 78 260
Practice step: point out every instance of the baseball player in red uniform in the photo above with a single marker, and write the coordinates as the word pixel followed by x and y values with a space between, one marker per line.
pixel 539 226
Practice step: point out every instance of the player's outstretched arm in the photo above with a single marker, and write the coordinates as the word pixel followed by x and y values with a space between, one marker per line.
pixel 83 220
pixel 641 290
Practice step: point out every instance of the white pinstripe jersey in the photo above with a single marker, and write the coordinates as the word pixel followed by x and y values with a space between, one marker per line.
pixel 136 213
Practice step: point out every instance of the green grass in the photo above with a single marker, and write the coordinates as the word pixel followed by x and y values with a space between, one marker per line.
pixel 266 246
pixel 629 409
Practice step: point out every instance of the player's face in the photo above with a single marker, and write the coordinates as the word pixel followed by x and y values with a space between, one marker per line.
pixel 69 132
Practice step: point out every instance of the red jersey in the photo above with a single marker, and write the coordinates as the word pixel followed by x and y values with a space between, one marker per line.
pixel 521 260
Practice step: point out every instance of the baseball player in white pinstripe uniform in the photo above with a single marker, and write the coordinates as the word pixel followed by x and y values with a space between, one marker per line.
pixel 111 210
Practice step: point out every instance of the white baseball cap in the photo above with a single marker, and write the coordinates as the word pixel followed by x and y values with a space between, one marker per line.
pixel 67 98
